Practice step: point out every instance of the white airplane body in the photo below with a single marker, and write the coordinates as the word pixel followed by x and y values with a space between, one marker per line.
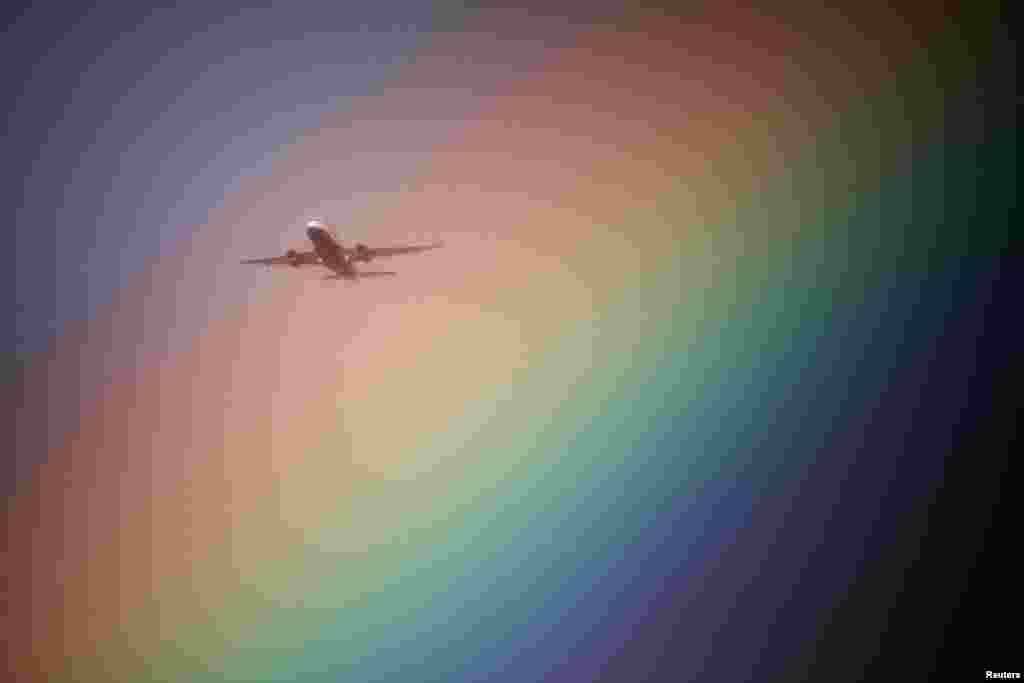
pixel 328 252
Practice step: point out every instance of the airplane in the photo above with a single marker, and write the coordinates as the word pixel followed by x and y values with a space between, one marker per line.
pixel 328 252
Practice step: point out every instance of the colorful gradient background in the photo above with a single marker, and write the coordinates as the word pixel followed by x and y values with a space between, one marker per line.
pixel 686 397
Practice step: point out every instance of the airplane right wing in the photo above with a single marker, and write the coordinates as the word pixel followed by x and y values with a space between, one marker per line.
pixel 385 252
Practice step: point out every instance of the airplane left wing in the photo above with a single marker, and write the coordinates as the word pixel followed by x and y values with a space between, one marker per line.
pixel 293 258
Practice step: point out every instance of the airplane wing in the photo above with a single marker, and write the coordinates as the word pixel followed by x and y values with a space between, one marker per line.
pixel 294 259
pixel 384 252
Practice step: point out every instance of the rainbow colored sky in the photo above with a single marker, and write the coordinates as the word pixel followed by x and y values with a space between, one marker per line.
pixel 615 430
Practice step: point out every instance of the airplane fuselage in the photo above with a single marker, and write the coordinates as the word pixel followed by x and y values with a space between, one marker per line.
pixel 330 252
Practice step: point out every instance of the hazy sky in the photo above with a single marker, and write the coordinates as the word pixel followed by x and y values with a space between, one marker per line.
pixel 674 398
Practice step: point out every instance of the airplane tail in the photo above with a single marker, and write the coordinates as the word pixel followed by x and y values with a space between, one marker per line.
pixel 360 274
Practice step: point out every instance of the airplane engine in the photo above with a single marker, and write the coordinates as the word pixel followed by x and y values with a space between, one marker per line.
pixel 292 256
pixel 363 253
